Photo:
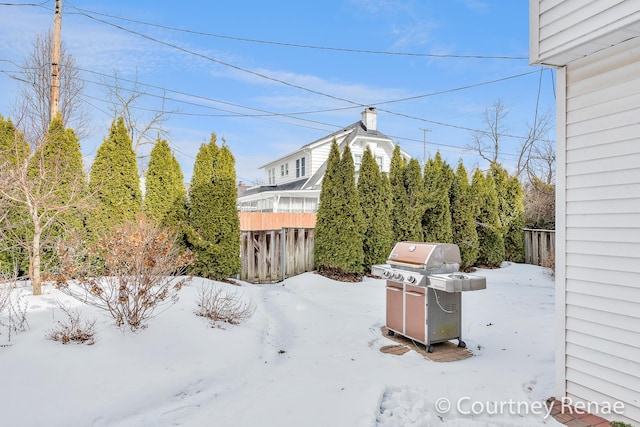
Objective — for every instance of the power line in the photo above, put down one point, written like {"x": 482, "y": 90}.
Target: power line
{"x": 293, "y": 115}
{"x": 24, "y": 4}
{"x": 275, "y": 79}
{"x": 302, "y": 46}
{"x": 217, "y": 61}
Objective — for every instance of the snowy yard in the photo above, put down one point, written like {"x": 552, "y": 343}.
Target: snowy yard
{"x": 310, "y": 356}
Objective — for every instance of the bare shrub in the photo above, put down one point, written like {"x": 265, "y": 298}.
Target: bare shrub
{"x": 13, "y": 309}
{"x": 74, "y": 329}
{"x": 222, "y": 304}
{"x": 128, "y": 272}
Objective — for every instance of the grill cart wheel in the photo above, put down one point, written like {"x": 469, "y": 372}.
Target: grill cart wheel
{"x": 429, "y": 349}
{"x": 462, "y": 344}
{"x": 391, "y": 333}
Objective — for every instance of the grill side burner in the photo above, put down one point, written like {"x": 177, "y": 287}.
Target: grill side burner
{"x": 424, "y": 290}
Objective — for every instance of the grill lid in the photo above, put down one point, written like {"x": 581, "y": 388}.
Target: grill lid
{"x": 425, "y": 256}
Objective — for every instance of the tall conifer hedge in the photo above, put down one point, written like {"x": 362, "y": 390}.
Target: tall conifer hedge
{"x": 115, "y": 181}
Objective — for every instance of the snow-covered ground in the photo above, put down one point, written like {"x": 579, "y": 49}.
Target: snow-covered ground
{"x": 310, "y": 356}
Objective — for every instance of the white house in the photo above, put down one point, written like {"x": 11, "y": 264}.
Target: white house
{"x": 595, "y": 47}
{"x": 294, "y": 181}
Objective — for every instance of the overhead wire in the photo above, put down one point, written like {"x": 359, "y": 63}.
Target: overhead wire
{"x": 217, "y": 61}
{"x": 24, "y": 4}
{"x": 83, "y": 12}
{"x": 191, "y": 52}
{"x": 264, "y": 113}
{"x": 297, "y": 45}
{"x": 291, "y": 115}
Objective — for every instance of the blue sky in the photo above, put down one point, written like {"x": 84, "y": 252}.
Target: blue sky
{"x": 236, "y": 71}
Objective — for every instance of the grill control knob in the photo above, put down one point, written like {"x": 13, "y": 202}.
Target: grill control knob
{"x": 399, "y": 277}
{"x": 411, "y": 279}
{"x": 387, "y": 274}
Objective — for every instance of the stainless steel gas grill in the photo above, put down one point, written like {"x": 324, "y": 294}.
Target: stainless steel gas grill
{"x": 424, "y": 288}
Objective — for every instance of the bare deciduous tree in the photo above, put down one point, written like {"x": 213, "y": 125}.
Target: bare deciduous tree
{"x": 34, "y": 195}
{"x": 487, "y": 143}
{"x": 536, "y": 156}
{"x": 143, "y": 129}
{"x": 536, "y": 153}
{"x": 37, "y": 197}
{"x": 35, "y": 94}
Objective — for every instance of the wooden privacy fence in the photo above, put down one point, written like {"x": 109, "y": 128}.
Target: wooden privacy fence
{"x": 272, "y": 255}
{"x": 540, "y": 247}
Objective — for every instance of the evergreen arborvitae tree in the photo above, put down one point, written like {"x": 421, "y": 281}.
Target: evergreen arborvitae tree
{"x": 115, "y": 181}
{"x": 338, "y": 246}
{"x": 463, "y": 218}
{"x": 374, "y": 202}
{"x": 58, "y": 163}
{"x": 387, "y": 201}
{"x": 14, "y": 150}
{"x": 514, "y": 239}
{"x": 227, "y": 263}
{"x": 511, "y": 202}
{"x": 327, "y": 228}
{"x": 436, "y": 221}
{"x": 398, "y": 194}
{"x": 490, "y": 238}
{"x": 201, "y": 225}
{"x": 59, "y": 158}
{"x": 414, "y": 191}
{"x": 213, "y": 225}
{"x": 165, "y": 194}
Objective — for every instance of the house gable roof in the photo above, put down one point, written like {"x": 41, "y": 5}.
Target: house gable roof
{"x": 353, "y": 130}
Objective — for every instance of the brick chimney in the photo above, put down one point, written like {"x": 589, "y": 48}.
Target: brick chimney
{"x": 369, "y": 118}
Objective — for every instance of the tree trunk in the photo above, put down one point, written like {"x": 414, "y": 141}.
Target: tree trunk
{"x": 34, "y": 264}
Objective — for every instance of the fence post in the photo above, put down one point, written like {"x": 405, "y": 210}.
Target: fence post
{"x": 539, "y": 246}
{"x": 284, "y": 253}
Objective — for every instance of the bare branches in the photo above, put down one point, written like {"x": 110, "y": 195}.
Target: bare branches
{"x": 74, "y": 329}
{"x": 221, "y": 304}
{"x": 35, "y": 95}
{"x": 537, "y": 157}
{"x": 142, "y": 130}
{"x": 487, "y": 143}
{"x": 536, "y": 153}
{"x": 13, "y": 308}
{"x": 136, "y": 261}
{"x": 34, "y": 192}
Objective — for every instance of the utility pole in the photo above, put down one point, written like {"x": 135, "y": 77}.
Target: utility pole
{"x": 55, "y": 60}
{"x": 424, "y": 155}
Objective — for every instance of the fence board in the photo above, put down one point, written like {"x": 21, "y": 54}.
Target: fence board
{"x": 540, "y": 247}
{"x": 271, "y": 255}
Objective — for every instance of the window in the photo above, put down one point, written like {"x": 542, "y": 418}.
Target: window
{"x": 284, "y": 169}
{"x": 300, "y": 168}
{"x": 380, "y": 162}
{"x": 272, "y": 176}
{"x": 357, "y": 161}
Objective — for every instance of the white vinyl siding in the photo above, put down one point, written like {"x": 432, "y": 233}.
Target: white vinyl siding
{"x": 319, "y": 156}
{"x": 565, "y": 30}
{"x": 600, "y": 204}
